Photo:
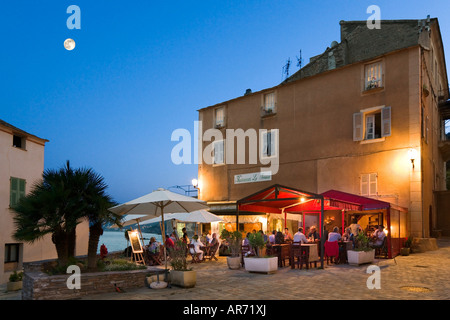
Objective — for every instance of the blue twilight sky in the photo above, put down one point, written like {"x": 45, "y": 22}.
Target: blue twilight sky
{"x": 142, "y": 69}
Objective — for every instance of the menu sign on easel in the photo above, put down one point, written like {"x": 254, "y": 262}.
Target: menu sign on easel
{"x": 136, "y": 245}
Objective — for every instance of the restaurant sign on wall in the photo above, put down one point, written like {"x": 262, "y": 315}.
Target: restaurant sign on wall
{"x": 252, "y": 177}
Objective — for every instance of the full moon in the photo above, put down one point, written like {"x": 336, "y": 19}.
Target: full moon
{"x": 69, "y": 44}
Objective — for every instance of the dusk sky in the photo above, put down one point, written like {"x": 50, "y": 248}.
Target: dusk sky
{"x": 142, "y": 69}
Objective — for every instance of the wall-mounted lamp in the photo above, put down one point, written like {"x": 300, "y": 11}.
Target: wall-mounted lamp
{"x": 195, "y": 183}
{"x": 412, "y": 155}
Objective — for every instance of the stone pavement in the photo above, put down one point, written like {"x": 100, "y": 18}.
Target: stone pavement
{"x": 427, "y": 275}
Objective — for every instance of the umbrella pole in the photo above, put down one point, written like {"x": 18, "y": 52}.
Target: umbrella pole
{"x": 163, "y": 235}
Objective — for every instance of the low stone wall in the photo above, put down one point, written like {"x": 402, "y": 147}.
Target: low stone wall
{"x": 40, "y": 286}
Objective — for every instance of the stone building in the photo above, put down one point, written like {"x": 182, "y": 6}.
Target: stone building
{"x": 365, "y": 117}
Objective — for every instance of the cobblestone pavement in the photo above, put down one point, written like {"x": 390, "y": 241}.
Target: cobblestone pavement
{"x": 428, "y": 273}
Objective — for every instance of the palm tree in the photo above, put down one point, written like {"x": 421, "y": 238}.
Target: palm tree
{"x": 52, "y": 207}
{"x": 58, "y": 203}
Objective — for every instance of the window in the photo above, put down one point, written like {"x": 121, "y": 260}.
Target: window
{"x": 218, "y": 152}
{"x": 368, "y": 184}
{"x": 19, "y": 142}
{"x": 268, "y": 143}
{"x": 17, "y": 190}
{"x": 372, "y": 124}
{"x": 268, "y": 104}
{"x": 373, "y": 76}
{"x": 12, "y": 252}
{"x": 219, "y": 117}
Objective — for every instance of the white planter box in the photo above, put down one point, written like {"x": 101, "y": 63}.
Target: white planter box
{"x": 262, "y": 265}
{"x": 360, "y": 257}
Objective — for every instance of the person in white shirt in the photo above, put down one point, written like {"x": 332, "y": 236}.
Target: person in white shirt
{"x": 209, "y": 237}
{"x": 378, "y": 237}
{"x": 300, "y": 237}
{"x": 355, "y": 227}
{"x": 272, "y": 237}
{"x": 197, "y": 244}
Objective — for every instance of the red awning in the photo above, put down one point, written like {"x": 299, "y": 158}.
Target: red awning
{"x": 350, "y": 201}
{"x": 277, "y": 198}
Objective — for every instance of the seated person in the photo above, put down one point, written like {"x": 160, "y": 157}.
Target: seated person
{"x": 197, "y": 244}
{"x": 169, "y": 242}
{"x": 287, "y": 235}
{"x": 279, "y": 238}
{"x": 153, "y": 249}
{"x": 348, "y": 235}
{"x": 265, "y": 237}
{"x": 300, "y": 237}
{"x": 335, "y": 235}
{"x": 377, "y": 237}
{"x": 272, "y": 237}
{"x": 313, "y": 234}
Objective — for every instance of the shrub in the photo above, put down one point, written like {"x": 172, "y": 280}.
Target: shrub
{"x": 234, "y": 240}
{"x": 177, "y": 256}
{"x": 16, "y": 277}
{"x": 362, "y": 242}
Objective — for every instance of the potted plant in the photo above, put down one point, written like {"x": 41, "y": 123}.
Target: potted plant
{"x": 234, "y": 240}
{"x": 406, "y": 249}
{"x": 181, "y": 275}
{"x": 261, "y": 262}
{"x": 15, "y": 281}
{"x": 362, "y": 253}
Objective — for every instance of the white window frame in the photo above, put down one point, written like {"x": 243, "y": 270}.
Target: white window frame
{"x": 274, "y": 138}
{"x": 368, "y": 181}
{"x": 373, "y": 75}
{"x": 215, "y": 155}
{"x": 366, "y": 117}
{"x": 217, "y": 123}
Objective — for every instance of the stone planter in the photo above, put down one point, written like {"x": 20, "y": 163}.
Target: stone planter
{"x": 14, "y": 286}
{"x": 261, "y": 265}
{"x": 234, "y": 263}
{"x": 184, "y": 279}
{"x": 360, "y": 257}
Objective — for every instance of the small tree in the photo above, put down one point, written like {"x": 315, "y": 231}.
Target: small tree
{"x": 177, "y": 256}
{"x": 362, "y": 242}
{"x": 257, "y": 242}
{"x": 234, "y": 240}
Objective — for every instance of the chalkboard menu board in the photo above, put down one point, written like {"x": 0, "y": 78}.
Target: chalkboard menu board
{"x": 136, "y": 245}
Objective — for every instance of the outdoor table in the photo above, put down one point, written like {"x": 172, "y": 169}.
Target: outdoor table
{"x": 313, "y": 251}
{"x": 283, "y": 253}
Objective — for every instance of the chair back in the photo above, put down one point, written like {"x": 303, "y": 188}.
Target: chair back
{"x": 331, "y": 248}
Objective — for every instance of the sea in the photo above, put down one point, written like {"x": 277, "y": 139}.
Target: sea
{"x": 116, "y": 241}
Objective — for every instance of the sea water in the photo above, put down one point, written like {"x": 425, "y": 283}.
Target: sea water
{"x": 116, "y": 241}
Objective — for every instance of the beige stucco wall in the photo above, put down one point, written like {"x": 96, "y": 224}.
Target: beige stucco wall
{"x": 29, "y": 165}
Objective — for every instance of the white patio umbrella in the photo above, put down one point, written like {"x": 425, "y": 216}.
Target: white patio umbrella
{"x": 201, "y": 216}
{"x": 156, "y": 204}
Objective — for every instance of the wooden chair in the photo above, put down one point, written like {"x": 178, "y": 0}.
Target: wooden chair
{"x": 382, "y": 250}
{"x": 154, "y": 259}
{"x": 245, "y": 249}
{"x": 299, "y": 256}
{"x": 213, "y": 251}
{"x": 194, "y": 255}
{"x": 331, "y": 251}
